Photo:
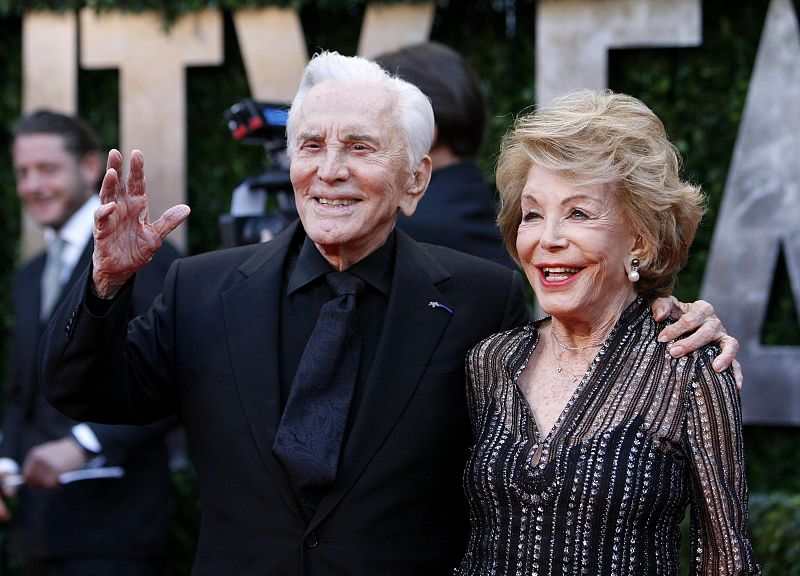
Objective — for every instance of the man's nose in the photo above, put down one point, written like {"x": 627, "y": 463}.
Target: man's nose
{"x": 333, "y": 166}
{"x": 28, "y": 182}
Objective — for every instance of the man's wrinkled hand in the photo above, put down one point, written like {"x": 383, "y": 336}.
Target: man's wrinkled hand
{"x": 124, "y": 238}
{"x": 697, "y": 324}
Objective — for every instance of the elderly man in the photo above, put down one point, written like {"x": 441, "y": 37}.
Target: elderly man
{"x": 334, "y": 448}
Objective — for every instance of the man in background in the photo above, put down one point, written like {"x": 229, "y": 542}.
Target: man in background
{"x": 458, "y": 210}
{"x": 105, "y": 526}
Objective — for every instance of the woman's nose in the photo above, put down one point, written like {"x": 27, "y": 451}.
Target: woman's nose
{"x": 553, "y": 236}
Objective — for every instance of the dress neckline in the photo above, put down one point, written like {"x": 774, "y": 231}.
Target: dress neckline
{"x": 583, "y": 393}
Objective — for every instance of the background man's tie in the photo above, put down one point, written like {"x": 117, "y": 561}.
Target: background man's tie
{"x": 51, "y": 277}
{"x": 310, "y": 434}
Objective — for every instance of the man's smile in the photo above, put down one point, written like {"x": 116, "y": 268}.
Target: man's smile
{"x": 337, "y": 201}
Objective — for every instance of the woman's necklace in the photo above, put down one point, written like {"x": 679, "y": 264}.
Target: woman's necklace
{"x": 557, "y": 356}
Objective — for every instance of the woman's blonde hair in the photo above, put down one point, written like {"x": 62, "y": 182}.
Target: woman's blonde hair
{"x": 594, "y": 137}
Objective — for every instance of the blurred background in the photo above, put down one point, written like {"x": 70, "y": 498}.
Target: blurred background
{"x": 699, "y": 92}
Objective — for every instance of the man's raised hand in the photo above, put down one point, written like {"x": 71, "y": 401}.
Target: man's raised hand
{"x": 124, "y": 238}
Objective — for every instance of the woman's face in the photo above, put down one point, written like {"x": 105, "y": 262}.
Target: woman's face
{"x": 575, "y": 247}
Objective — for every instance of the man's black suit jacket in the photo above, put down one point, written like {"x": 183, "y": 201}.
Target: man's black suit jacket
{"x": 208, "y": 350}
{"x": 109, "y": 518}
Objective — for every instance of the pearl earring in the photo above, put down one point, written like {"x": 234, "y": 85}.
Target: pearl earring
{"x": 633, "y": 275}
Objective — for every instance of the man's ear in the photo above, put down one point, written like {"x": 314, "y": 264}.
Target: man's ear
{"x": 418, "y": 185}
{"x": 91, "y": 169}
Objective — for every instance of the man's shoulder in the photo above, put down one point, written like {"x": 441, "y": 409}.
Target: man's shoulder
{"x": 216, "y": 269}
{"x": 28, "y": 272}
{"x": 457, "y": 262}
{"x": 30, "y": 264}
{"x": 493, "y": 294}
{"x": 456, "y": 271}
{"x": 223, "y": 257}
{"x": 249, "y": 256}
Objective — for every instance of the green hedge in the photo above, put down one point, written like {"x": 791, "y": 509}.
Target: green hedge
{"x": 775, "y": 528}
{"x": 699, "y": 93}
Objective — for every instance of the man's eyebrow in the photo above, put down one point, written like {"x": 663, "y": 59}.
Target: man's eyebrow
{"x": 352, "y": 137}
{"x": 355, "y": 137}
{"x": 309, "y": 136}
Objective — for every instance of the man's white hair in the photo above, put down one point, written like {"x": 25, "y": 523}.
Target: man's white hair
{"x": 413, "y": 112}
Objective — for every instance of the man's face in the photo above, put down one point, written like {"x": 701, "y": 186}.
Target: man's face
{"x": 349, "y": 169}
{"x": 51, "y": 182}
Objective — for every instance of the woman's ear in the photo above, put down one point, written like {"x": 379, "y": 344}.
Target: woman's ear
{"x": 639, "y": 249}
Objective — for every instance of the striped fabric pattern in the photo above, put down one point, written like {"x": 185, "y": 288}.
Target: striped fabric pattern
{"x": 642, "y": 437}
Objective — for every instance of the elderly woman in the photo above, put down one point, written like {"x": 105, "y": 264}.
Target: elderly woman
{"x": 590, "y": 441}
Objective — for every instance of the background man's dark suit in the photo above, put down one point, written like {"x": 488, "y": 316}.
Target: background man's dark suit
{"x": 397, "y": 505}
{"x": 101, "y": 518}
{"x": 458, "y": 211}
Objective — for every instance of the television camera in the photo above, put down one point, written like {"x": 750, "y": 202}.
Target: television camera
{"x": 262, "y": 205}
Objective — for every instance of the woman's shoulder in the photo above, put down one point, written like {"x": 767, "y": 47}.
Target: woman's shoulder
{"x": 702, "y": 381}
{"x": 500, "y": 344}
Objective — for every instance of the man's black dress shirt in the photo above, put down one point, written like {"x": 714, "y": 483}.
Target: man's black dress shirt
{"x": 304, "y": 292}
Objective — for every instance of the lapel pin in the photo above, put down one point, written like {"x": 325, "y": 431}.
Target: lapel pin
{"x": 434, "y": 304}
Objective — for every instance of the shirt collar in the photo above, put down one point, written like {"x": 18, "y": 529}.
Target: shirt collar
{"x": 375, "y": 269}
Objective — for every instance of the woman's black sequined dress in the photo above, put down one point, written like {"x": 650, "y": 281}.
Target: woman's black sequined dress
{"x": 642, "y": 437}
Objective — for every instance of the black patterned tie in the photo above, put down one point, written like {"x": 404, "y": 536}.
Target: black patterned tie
{"x": 311, "y": 430}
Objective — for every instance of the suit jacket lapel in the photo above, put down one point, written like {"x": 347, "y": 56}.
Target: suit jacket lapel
{"x": 252, "y": 313}
{"x": 84, "y": 260}
{"x": 411, "y": 332}
{"x": 78, "y": 269}
{"x": 80, "y": 266}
